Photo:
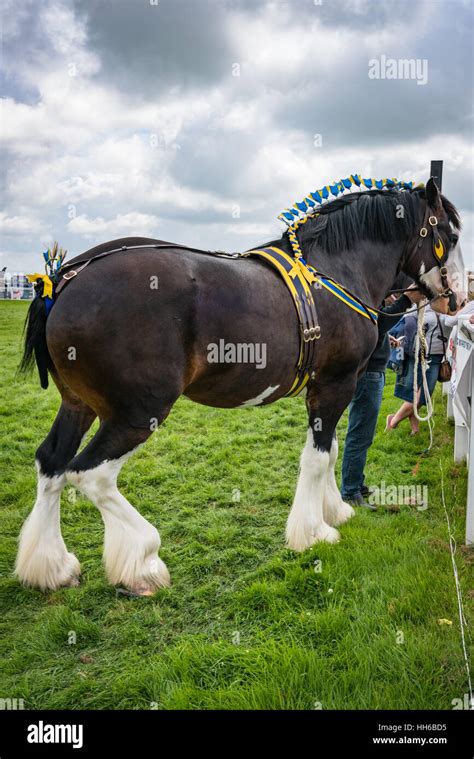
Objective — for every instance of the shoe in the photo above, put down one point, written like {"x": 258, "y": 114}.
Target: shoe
{"x": 365, "y": 491}
{"x": 359, "y": 500}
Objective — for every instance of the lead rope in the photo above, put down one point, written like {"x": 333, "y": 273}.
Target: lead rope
{"x": 421, "y": 352}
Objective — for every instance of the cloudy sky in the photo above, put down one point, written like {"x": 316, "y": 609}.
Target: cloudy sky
{"x": 198, "y": 121}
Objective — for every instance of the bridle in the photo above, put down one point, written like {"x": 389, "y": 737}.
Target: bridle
{"x": 440, "y": 254}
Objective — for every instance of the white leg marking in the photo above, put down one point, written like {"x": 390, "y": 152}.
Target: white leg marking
{"x": 43, "y": 560}
{"x": 260, "y": 398}
{"x": 131, "y": 543}
{"x": 305, "y": 524}
{"x": 336, "y": 511}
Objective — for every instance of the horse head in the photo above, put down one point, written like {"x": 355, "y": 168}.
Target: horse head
{"x": 434, "y": 257}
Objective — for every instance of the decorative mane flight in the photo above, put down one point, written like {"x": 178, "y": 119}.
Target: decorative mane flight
{"x": 299, "y": 213}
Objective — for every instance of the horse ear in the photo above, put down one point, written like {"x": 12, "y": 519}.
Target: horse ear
{"x": 433, "y": 196}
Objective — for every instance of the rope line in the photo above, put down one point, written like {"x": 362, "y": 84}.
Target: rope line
{"x": 462, "y": 619}
{"x": 420, "y": 340}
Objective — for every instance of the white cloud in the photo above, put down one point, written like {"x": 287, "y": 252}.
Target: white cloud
{"x": 20, "y": 225}
{"x": 128, "y": 224}
{"x": 126, "y": 163}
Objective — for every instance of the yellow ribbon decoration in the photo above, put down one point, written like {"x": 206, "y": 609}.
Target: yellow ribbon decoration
{"x": 47, "y": 283}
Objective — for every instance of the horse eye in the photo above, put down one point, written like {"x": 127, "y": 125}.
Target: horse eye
{"x": 453, "y": 239}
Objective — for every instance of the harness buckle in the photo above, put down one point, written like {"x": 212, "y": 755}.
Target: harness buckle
{"x": 433, "y": 221}
{"x": 423, "y": 232}
{"x": 311, "y": 333}
{"x": 70, "y": 274}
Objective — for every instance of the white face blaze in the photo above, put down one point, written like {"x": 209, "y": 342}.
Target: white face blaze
{"x": 431, "y": 279}
{"x": 457, "y": 280}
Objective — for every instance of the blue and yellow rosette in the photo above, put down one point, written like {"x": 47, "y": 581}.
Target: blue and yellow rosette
{"x": 53, "y": 258}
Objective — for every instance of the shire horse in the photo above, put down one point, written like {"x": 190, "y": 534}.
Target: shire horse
{"x": 123, "y": 350}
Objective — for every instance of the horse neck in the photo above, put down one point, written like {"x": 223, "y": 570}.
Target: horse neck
{"x": 368, "y": 269}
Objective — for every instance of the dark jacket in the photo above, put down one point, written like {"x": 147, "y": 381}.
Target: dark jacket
{"x": 379, "y": 358}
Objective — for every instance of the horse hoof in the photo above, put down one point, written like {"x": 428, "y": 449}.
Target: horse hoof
{"x": 149, "y": 585}
{"x": 73, "y": 569}
{"x": 73, "y": 582}
{"x": 143, "y": 592}
{"x": 332, "y": 536}
{"x": 345, "y": 512}
{"x": 139, "y": 592}
{"x": 326, "y": 534}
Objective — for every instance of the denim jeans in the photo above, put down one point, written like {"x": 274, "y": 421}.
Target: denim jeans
{"x": 363, "y": 413}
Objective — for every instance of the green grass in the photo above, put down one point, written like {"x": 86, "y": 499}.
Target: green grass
{"x": 246, "y": 624}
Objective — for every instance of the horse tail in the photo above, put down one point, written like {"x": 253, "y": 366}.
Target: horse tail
{"x": 36, "y": 347}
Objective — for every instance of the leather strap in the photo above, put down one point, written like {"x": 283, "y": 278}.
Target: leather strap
{"x": 298, "y": 280}
{"x": 69, "y": 271}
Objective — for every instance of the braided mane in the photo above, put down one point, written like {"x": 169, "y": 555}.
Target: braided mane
{"x": 387, "y": 210}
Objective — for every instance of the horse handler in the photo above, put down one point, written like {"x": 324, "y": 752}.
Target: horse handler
{"x": 365, "y": 405}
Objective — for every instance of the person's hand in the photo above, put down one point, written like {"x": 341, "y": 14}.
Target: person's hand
{"x": 394, "y": 343}
{"x": 471, "y": 319}
{"x": 414, "y": 296}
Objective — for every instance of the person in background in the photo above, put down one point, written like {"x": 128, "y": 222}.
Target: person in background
{"x": 436, "y": 340}
{"x": 467, "y": 310}
{"x": 365, "y": 405}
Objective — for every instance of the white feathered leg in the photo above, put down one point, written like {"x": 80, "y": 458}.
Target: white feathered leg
{"x": 43, "y": 560}
{"x": 131, "y": 543}
{"x": 306, "y": 523}
{"x": 336, "y": 511}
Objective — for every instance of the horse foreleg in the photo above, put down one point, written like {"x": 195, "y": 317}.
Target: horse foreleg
{"x": 43, "y": 560}
{"x": 336, "y": 511}
{"x": 131, "y": 543}
{"x": 306, "y": 523}
{"x": 317, "y": 505}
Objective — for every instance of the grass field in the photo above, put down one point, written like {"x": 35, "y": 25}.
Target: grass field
{"x": 246, "y": 624}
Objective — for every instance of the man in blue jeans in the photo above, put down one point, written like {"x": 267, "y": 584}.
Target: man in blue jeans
{"x": 365, "y": 406}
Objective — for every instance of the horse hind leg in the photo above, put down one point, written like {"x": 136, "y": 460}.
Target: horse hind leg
{"x": 43, "y": 560}
{"x": 131, "y": 543}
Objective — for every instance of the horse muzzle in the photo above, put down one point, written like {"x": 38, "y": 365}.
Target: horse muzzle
{"x": 445, "y": 303}
{"x": 452, "y": 303}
